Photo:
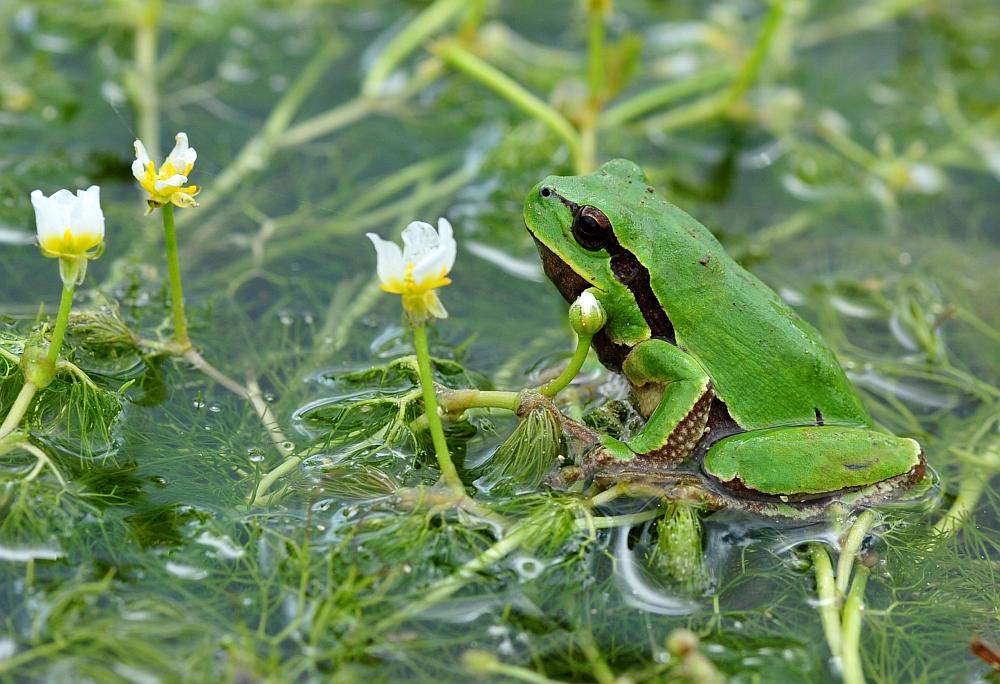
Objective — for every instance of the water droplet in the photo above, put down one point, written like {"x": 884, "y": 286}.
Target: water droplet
{"x": 198, "y": 403}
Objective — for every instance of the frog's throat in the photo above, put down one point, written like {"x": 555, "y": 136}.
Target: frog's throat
{"x": 571, "y": 285}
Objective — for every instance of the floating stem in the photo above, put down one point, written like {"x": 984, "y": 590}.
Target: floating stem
{"x": 146, "y": 96}
{"x": 596, "y": 51}
{"x": 751, "y": 68}
{"x": 512, "y": 91}
{"x": 431, "y": 20}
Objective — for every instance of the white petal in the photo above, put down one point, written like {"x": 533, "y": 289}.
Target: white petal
{"x": 441, "y": 258}
{"x": 138, "y": 171}
{"x": 175, "y": 181}
{"x": 389, "y": 259}
{"x": 448, "y": 245}
{"x": 87, "y": 216}
{"x": 588, "y": 303}
{"x": 47, "y": 216}
{"x": 182, "y": 156}
{"x": 419, "y": 238}
{"x": 141, "y": 160}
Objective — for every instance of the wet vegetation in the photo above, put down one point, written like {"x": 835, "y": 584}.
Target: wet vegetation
{"x": 261, "y": 508}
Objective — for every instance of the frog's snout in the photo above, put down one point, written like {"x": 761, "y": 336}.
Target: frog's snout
{"x": 548, "y": 191}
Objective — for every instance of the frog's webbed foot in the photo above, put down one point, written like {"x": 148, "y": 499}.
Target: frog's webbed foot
{"x": 654, "y": 481}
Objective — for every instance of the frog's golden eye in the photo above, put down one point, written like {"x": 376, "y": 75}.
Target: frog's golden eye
{"x": 591, "y": 228}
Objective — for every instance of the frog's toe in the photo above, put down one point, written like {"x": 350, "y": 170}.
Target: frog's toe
{"x": 617, "y": 449}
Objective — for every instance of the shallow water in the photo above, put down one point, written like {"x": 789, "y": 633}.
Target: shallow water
{"x": 860, "y": 179}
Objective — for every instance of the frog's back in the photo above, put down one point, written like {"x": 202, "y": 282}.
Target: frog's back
{"x": 767, "y": 364}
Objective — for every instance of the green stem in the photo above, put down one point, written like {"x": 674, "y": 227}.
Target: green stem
{"x": 659, "y": 96}
{"x": 970, "y": 488}
{"x": 256, "y": 153}
{"x": 458, "y": 401}
{"x": 688, "y": 114}
{"x": 454, "y": 401}
{"x": 480, "y": 664}
{"x": 465, "y": 574}
{"x": 608, "y": 521}
{"x": 62, "y": 320}
{"x": 266, "y": 482}
{"x": 18, "y": 409}
{"x": 174, "y": 270}
{"x": 751, "y": 68}
{"x": 553, "y": 387}
{"x": 596, "y": 53}
{"x": 852, "y": 545}
{"x": 827, "y": 592}
{"x": 852, "y": 670}
{"x": 431, "y": 20}
{"x": 448, "y": 473}
{"x": 146, "y": 94}
{"x": 494, "y": 79}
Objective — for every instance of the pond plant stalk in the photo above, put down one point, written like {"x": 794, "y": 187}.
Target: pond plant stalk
{"x": 69, "y": 228}
{"x": 449, "y": 475}
{"x": 415, "y": 272}
{"x": 841, "y": 601}
{"x": 174, "y": 273}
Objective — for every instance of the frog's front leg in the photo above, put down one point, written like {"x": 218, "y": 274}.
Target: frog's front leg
{"x": 674, "y": 393}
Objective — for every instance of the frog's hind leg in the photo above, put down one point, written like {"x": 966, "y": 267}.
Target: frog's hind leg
{"x": 674, "y": 393}
{"x": 808, "y": 462}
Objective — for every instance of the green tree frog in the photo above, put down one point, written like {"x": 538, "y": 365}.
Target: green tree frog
{"x": 724, "y": 372}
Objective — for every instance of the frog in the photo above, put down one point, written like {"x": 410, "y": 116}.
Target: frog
{"x": 744, "y": 404}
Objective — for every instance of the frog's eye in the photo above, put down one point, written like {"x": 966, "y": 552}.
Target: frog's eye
{"x": 591, "y": 228}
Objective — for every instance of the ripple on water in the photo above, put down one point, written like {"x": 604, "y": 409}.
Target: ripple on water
{"x": 636, "y": 591}
{"x": 185, "y": 571}
{"x": 24, "y": 554}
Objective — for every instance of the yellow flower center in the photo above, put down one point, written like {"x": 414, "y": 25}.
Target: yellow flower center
{"x": 69, "y": 244}
{"x": 409, "y": 286}
{"x": 182, "y": 196}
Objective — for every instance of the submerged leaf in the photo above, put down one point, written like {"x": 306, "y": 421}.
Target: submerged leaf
{"x": 677, "y": 552}
{"x": 523, "y": 459}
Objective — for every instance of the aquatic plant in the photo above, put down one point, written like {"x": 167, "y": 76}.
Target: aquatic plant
{"x": 846, "y": 151}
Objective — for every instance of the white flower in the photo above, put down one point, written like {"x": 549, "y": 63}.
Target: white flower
{"x": 69, "y": 225}
{"x": 70, "y": 228}
{"x": 586, "y": 315}
{"x": 417, "y": 270}
{"x": 166, "y": 184}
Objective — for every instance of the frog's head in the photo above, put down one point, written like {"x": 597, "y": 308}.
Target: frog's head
{"x": 575, "y": 221}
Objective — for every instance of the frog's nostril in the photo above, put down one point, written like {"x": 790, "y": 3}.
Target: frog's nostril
{"x": 545, "y": 192}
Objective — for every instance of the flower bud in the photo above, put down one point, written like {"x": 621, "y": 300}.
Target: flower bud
{"x": 586, "y": 315}
{"x": 37, "y": 367}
